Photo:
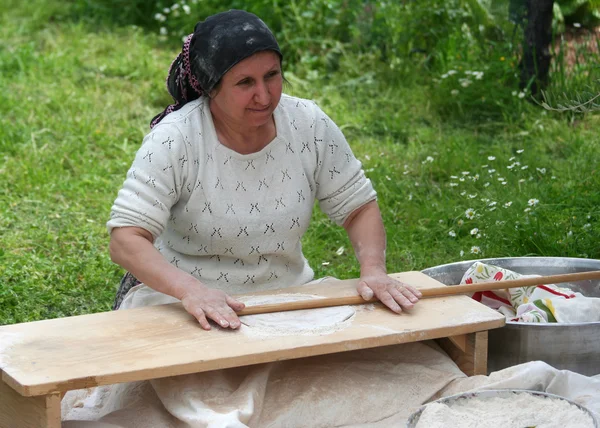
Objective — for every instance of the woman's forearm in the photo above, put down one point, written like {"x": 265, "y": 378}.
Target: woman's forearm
{"x": 367, "y": 234}
{"x": 132, "y": 249}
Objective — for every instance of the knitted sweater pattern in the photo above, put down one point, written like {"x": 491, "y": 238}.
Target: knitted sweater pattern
{"x": 236, "y": 221}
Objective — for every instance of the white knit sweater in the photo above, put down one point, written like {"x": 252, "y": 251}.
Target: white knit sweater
{"x": 235, "y": 221}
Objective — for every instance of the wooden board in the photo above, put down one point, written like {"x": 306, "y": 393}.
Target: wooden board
{"x": 145, "y": 343}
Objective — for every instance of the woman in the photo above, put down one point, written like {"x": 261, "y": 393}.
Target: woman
{"x": 222, "y": 189}
{"x": 215, "y": 203}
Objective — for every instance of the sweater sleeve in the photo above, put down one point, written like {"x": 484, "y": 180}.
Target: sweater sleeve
{"x": 342, "y": 185}
{"x": 153, "y": 183}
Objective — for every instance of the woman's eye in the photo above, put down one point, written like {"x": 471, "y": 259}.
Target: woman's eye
{"x": 244, "y": 82}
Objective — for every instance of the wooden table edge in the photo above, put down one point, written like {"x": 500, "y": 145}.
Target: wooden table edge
{"x": 265, "y": 357}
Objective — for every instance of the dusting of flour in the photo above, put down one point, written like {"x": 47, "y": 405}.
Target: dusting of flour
{"x": 517, "y": 410}
{"x": 319, "y": 321}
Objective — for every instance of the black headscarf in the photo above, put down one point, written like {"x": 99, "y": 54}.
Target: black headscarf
{"x": 216, "y": 45}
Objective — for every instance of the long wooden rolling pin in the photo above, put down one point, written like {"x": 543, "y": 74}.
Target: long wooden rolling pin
{"x": 447, "y": 290}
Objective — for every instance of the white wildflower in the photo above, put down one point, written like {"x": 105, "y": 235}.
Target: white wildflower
{"x": 454, "y": 92}
{"x": 514, "y": 93}
{"x": 541, "y": 170}
{"x": 491, "y": 171}
{"x": 470, "y": 213}
{"x": 462, "y": 253}
{"x": 460, "y": 222}
{"x": 521, "y": 95}
{"x": 493, "y": 203}
{"x": 524, "y": 167}
{"x": 325, "y": 263}
{"x": 451, "y": 72}
{"x": 463, "y": 193}
{"x": 453, "y": 184}
{"x": 520, "y": 151}
{"x": 532, "y": 202}
{"x": 452, "y": 234}
{"x": 474, "y": 231}
{"x": 160, "y": 17}
{"x": 472, "y": 196}
{"x": 587, "y": 226}
{"x": 478, "y": 236}
{"x": 186, "y": 9}
{"x": 465, "y": 173}
{"x": 340, "y": 251}
{"x": 461, "y": 179}
{"x": 367, "y": 157}
{"x": 522, "y": 180}
{"x": 429, "y": 159}
{"x": 486, "y": 184}
{"x": 163, "y": 31}
{"x": 527, "y": 210}
{"x": 491, "y": 158}
{"x": 465, "y": 83}
{"x": 475, "y": 249}
{"x": 387, "y": 177}
{"x": 406, "y": 172}
{"x": 508, "y": 204}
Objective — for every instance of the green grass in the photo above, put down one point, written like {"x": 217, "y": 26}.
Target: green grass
{"x": 77, "y": 97}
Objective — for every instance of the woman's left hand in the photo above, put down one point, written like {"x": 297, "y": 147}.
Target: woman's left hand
{"x": 392, "y": 293}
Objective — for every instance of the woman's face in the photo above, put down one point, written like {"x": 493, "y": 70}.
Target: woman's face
{"x": 249, "y": 92}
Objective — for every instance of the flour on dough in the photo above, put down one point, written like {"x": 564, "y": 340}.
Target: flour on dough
{"x": 317, "y": 321}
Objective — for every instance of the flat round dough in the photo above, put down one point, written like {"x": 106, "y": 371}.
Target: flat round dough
{"x": 306, "y": 321}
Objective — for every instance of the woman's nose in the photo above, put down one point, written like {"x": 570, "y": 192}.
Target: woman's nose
{"x": 262, "y": 95}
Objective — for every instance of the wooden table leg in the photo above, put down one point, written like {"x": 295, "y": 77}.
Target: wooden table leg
{"x": 17, "y": 411}
{"x": 469, "y": 352}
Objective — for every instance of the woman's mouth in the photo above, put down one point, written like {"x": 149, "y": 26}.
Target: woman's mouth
{"x": 260, "y": 110}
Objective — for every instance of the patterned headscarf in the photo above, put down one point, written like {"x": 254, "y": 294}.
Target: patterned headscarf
{"x": 216, "y": 45}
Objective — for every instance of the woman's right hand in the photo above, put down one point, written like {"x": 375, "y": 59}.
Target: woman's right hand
{"x": 205, "y": 303}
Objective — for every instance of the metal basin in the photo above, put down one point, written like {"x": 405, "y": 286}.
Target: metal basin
{"x": 507, "y": 394}
{"x": 574, "y": 347}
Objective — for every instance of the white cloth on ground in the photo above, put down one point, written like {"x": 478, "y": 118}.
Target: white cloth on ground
{"x": 372, "y": 388}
